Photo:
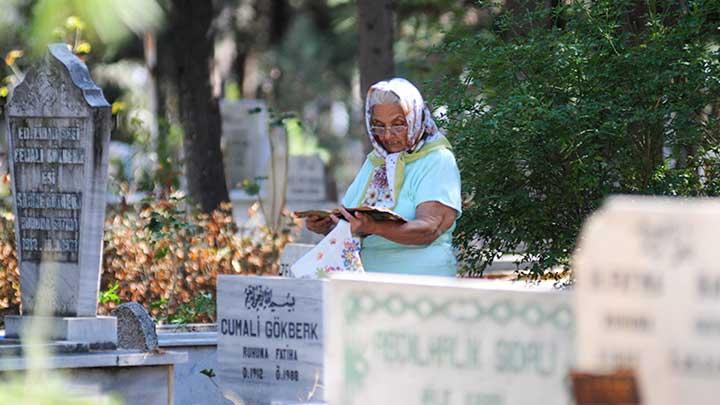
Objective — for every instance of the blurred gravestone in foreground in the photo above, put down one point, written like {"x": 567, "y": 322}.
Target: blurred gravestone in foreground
{"x": 398, "y": 339}
{"x": 648, "y": 296}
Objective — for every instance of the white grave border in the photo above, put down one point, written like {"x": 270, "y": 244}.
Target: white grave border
{"x": 364, "y": 302}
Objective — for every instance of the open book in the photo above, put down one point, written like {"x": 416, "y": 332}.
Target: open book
{"x": 378, "y": 214}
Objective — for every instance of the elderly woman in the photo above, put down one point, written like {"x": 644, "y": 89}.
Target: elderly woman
{"x": 411, "y": 171}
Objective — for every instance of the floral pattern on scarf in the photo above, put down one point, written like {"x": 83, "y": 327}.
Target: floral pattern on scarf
{"x": 338, "y": 251}
{"x": 378, "y": 193}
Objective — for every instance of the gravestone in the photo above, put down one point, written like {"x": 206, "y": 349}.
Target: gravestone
{"x": 306, "y": 179}
{"x": 430, "y": 340}
{"x": 246, "y": 147}
{"x": 648, "y": 296}
{"x": 58, "y": 130}
{"x": 292, "y": 253}
{"x": 136, "y": 329}
{"x": 307, "y": 190}
{"x": 270, "y": 339}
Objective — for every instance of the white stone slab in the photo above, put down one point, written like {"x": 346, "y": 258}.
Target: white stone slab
{"x": 291, "y": 254}
{"x": 191, "y": 386}
{"x": 430, "y": 340}
{"x": 132, "y": 378}
{"x": 181, "y": 339}
{"x": 148, "y": 385}
{"x": 95, "y": 330}
{"x": 648, "y": 296}
{"x": 58, "y": 130}
{"x": 306, "y": 179}
{"x": 270, "y": 338}
{"x": 112, "y": 358}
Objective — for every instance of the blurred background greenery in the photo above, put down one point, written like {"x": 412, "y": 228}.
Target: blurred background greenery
{"x": 300, "y": 56}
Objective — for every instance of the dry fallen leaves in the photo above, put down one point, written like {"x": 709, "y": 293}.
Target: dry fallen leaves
{"x": 177, "y": 267}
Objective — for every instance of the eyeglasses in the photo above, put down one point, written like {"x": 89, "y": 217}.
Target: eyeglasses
{"x": 394, "y": 129}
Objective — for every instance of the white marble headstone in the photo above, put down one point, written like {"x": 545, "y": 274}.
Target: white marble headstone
{"x": 58, "y": 133}
{"x": 306, "y": 179}
{"x": 648, "y": 296}
{"x": 429, "y": 340}
{"x": 246, "y": 146}
{"x": 292, "y": 253}
{"x": 270, "y": 339}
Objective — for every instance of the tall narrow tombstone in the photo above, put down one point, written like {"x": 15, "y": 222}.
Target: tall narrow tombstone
{"x": 429, "y": 340}
{"x": 246, "y": 146}
{"x": 648, "y": 296}
{"x": 306, "y": 179}
{"x": 58, "y": 131}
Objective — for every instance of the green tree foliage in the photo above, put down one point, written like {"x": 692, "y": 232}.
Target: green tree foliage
{"x": 556, "y": 108}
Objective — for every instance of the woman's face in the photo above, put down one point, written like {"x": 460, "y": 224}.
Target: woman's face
{"x": 389, "y": 127}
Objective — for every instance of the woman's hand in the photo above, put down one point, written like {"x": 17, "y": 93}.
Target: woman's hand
{"x": 360, "y": 224}
{"x": 321, "y": 225}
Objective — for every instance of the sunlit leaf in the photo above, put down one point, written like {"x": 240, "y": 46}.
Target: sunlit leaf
{"x": 12, "y": 56}
{"x": 84, "y": 48}
{"x": 74, "y": 23}
{"x": 162, "y": 252}
{"x": 251, "y": 187}
{"x": 210, "y": 373}
{"x": 118, "y": 106}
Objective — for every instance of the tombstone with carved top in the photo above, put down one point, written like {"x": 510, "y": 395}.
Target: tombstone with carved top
{"x": 58, "y": 131}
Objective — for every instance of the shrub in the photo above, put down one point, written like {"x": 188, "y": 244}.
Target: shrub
{"x": 166, "y": 257}
{"x": 9, "y": 274}
{"x": 556, "y": 108}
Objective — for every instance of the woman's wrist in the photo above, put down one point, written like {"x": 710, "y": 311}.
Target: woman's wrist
{"x": 378, "y": 227}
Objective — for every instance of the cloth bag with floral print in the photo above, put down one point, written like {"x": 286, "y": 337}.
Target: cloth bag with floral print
{"x": 338, "y": 251}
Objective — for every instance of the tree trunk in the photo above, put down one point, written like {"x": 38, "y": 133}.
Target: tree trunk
{"x": 246, "y": 31}
{"x": 190, "y": 28}
{"x": 375, "y": 44}
{"x": 320, "y": 12}
{"x": 166, "y": 100}
{"x": 241, "y": 55}
{"x": 523, "y": 9}
{"x": 279, "y": 20}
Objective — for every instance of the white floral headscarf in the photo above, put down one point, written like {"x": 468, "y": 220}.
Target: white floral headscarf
{"x": 384, "y": 181}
